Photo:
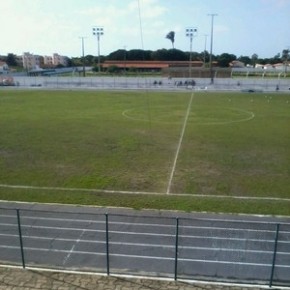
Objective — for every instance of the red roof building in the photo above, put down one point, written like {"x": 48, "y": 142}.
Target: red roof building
{"x": 149, "y": 64}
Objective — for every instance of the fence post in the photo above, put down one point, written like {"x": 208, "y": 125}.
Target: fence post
{"x": 274, "y": 254}
{"x": 20, "y": 238}
{"x": 176, "y": 248}
{"x": 107, "y": 245}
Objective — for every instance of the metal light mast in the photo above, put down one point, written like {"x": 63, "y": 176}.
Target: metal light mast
{"x": 98, "y": 31}
{"x": 190, "y": 32}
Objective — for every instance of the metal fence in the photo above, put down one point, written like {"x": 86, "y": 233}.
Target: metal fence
{"x": 156, "y": 83}
{"x": 178, "y": 248}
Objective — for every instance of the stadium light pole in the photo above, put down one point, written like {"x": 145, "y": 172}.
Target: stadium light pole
{"x": 190, "y": 32}
{"x": 125, "y": 58}
{"x": 286, "y": 55}
{"x": 98, "y": 31}
{"x": 211, "y": 45}
{"x": 83, "y": 54}
{"x": 205, "y": 41}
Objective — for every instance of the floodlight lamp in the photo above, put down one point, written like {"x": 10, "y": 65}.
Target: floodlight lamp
{"x": 191, "y": 31}
{"x": 98, "y": 31}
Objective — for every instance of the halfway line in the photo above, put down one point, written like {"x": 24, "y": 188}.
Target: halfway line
{"x": 179, "y": 144}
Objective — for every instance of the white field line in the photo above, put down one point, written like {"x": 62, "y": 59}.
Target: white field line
{"x": 130, "y": 244}
{"x": 162, "y": 245}
{"x": 179, "y": 144}
{"x": 151, "y": 225}
{"x": 146, "y": 257}
{"x": 251, "y": 116}
{"x": 75, "y": 189}
{"x": 93, "y": 190}
{"x": 149, "y": 233}
{"x": 73, "y": 247}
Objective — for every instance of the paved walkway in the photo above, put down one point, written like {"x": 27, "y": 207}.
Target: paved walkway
{"x": 19, "y": 279}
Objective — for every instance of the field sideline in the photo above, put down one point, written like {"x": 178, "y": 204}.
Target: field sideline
{"x": 232, "y": 149}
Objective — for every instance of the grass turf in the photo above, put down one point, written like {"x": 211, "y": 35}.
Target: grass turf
{"x": 234, "y": 144}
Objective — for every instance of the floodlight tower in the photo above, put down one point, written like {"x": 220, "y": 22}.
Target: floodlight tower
{"x": 98, "y": 31}
{"x": 205, "y": 40}
{"x": 285, "y": 55}
{"x": 190, "y": 32}
{"x": 211, "y": 45}
{"x": 83, "y": 54}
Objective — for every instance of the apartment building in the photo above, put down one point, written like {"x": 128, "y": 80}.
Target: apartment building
{"x": 59, "y": 59}
{"x": 31, "y": 61}
{"x": 48, "y": 61}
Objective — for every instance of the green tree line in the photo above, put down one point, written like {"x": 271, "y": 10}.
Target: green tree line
{"x": 173, "y": 54}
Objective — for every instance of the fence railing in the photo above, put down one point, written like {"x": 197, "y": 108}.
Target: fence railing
{"x": 178, "y": 248}
{"x": 161, "y": 83}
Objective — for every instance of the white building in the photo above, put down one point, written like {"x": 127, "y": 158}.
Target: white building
{"x": 31, "y": 61}
{"x": 59, "y": 59}
{"x": 48, "y": 61}
{"x": 4, "y": 69}
{"x": 237, "y": 63}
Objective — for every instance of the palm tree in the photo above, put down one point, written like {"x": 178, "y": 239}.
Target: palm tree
{"x": 170, "y": 35}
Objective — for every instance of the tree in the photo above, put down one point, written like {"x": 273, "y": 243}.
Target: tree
{"x": 254, "y": 59}
{"x": 134, "y": 54}
{"x": 176, "y": 54}
{"x": 11, "y": 59}
{"x": 245, "y": 59}
{"x": 90, "y": 59}
{"x": 285, "y": 57}
{"x": 138, "y": 54}
{"x": 204, "y": 56}
{"x": 160, "y": 54}
{"x": 169, "y": 55}
{"x": 194, "y": 56}
{"x": 116, "y": 55}
{"x": 225, "y": 59}
{"x": 113, "y": 69}
{"x": 276, "y": 59}
{"x": 170, "y": 35}
{"x": 69, "y": 62}
{"x": 76, "y": 61}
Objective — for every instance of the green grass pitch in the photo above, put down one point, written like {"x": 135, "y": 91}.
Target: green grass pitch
{"x": 234, "y": 145}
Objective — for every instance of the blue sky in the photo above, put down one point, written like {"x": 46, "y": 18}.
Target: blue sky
{"x": 242, "y": 27}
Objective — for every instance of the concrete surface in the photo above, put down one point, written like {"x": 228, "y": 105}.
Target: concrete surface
{"x": 23, "y": 279}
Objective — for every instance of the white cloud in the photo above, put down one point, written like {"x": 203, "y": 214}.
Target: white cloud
{"x": 148, "y": 8}
{"x": 47, "y": 26}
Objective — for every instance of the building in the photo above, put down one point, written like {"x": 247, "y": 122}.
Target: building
{"x": 4, "y": 69}
{"x": 149, "y": 65}
{"x": 31, "y": 61}
{"x": 59, "y": 60}
{"x": 237, "y": 63}
{"x": 48, "y": 61}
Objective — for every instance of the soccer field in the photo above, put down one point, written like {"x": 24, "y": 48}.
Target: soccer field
{"x": 194, "y": 143}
